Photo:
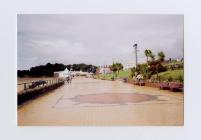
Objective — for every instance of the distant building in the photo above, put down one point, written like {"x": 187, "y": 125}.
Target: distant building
{"x": 62, "y": 74}
{"x": 103, "y": 70}
{"x": 178, "y": 60}
{"x": 128, "y": 65}
{"x": 81, "y": 73}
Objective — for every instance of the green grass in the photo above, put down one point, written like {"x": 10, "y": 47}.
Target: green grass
{"x": 174, "y": 74}
{"x": 121, "y": 74}
{"x": 173, "y": 63}
{"x": 124, "y": 73}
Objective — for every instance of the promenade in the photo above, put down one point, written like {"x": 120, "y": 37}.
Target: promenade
{"x": 93, "y": 102}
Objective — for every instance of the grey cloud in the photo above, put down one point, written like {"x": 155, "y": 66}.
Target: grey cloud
{"x": 95, "y": 38}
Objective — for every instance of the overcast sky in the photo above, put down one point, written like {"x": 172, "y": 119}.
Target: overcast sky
{"x": 96, "y": 39}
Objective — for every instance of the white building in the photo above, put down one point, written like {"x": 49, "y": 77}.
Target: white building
{"x": 104, "y": 70}
{"x": 62, "y": 74}
{"x": 81, "y": 73}
{"x": 128, "y": 65}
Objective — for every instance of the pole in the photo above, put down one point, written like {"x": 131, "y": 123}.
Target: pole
{"x": 25, "y": 87}
{"x": 104, "y": 69}
{"x": 113, "y": 65}
{"x": 135, "y": 47}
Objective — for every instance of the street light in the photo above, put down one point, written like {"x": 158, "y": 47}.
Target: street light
{"x": 135, "y": 47}
{"x": 113, "y": 65}
{"x": 104, "y": 70}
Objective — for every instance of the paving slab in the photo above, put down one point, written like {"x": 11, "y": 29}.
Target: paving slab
{"x": 93, "y": 102}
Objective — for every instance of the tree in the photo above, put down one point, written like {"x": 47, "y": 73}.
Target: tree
{"x": 23, "y": 73}
{"x": 152, "y": 57}
{"x": 49, "y": 69}
{"x": 143, "y": 69}
{"x": 119, "y": 67}
{"x": 155, "y": 67}
{"x": 161, "y": 56}
{"x": 133, "y": 70}
{"x": 148, "y": 54}
{"x": 114, "y": 69}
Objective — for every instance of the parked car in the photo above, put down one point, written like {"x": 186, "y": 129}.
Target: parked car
{"x": 164, "y": 86}
{"x": 176, "y": 86}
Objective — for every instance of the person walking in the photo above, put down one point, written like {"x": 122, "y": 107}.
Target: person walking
{"x": 70, "y": 78}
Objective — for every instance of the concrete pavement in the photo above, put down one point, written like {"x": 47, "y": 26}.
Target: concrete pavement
{"x": 103, "y": 103}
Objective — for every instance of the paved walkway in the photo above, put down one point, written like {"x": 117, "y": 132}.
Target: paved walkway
{"x": 97, "y": 102}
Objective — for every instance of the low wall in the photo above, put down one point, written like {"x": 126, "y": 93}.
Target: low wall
{"x": 148, "y": 84}
{"x": 154, "y": 85}
{"x": 33, "y": 93}
{"x": 130, "y": 81}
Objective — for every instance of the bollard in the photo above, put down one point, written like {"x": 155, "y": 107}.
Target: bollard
{"x": 25, "y": 86}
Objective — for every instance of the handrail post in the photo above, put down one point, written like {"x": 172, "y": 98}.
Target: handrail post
{"x": 25, "y": 86}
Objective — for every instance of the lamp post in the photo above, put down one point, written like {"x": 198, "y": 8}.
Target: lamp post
{"x": 104, "y": 70}
{"x": 113, "y": 65}
{"x": 135, "y": 47}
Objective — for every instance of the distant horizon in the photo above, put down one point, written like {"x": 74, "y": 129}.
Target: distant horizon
{"x": 95, "y": 39}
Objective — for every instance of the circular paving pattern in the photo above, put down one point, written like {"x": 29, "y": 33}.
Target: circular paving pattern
{"x": 113, "y": 98}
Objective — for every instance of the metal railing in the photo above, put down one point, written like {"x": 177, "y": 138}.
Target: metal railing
{"x": 37, "y": 83}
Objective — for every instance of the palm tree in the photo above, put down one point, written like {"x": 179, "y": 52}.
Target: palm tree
{"x": 161, "y": 56}
{"x": 113, "y": 68}
{"x": 146, "y": 52}
{"x": 119, "y": 67}
{"x": 152, "y": 57}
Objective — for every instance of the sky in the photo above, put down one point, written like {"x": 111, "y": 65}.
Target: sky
{"x": 97, "y": 39}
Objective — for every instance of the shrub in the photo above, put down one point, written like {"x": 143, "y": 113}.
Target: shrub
{"x": 112, "y": 78}
{"x": 181, "y": 78}
{"x": 170, "y": 79}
